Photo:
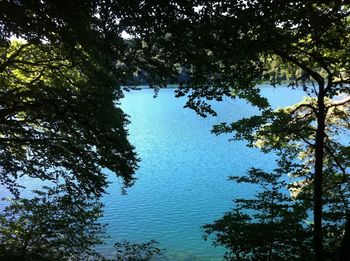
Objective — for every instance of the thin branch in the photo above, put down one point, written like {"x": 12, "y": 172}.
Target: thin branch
{"x": 29, "y": 140}
{"x": 39, "y": 63}
{"x": 10, "y": 59}
{"x": 339, "y": 103}
{"x": 307, "y": 105}
{"x": 318, "y": 59}
{"x": 318, "y": 78}
{"x": 345, "y": 81}
{"x": 336, "y": 160}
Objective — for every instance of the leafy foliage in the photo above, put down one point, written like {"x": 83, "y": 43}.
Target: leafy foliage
{"x": 229, "y": 47}
{"x": 256, "y": 228}
{"x": 127, "y": 251}
{"x": 291, "y": 133}
{"x": 59, "y": 95}
{"x": 51, "y": 226}
{"x": 62, "y": 68}
{"x": 59, "y": 120}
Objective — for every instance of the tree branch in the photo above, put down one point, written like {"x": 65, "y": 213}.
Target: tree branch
{"x": 318, "y": 78}
{"x": 10, "y": 59}
{"x": 339, "y": 103}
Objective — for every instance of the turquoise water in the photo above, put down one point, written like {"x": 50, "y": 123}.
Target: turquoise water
{"x": 182, "y": 180}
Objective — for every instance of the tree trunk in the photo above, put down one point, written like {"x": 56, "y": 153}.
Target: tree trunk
{"x": 319, "y": 157}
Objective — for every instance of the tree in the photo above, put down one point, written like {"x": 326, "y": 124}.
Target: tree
{"x": 256, "y": 228}
{"x": 290, "y": 132}
{"x": 59, "y": 121}
{"x": 60, "y": 88}
{"x": 62, "y": 68}
{"x": 228, "y": 48}
{"x": 54, "y": 225}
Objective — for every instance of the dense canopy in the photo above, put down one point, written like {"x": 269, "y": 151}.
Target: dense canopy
{"x": 60, "y": 91}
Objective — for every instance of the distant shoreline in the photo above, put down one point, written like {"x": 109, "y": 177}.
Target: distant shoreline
{"x": 176, "y": 86}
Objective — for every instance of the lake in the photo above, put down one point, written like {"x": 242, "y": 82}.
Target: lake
{"x": 182, "y": 180}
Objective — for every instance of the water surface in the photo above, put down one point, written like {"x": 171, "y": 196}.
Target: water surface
{"x": 182, "y": 180}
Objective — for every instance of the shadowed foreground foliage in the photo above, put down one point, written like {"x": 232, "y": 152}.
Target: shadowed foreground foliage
{"x": 51, "y": 226}
{"x": 56, "y": 226}
{"x": 127, "y": 251}
{"x": 60, "y": 119}
{"x": 269, "y": 226}
{"x": 60, "y": 92}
